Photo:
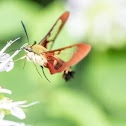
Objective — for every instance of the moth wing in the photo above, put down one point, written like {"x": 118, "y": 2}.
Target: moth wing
{"x": 57, "y": 64}
{"x": 52, "y": 34}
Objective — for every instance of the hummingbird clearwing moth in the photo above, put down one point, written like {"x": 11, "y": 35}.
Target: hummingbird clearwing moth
{"x": 53, "y": 59}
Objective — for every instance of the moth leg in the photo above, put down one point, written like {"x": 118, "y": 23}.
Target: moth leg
{"x": 20, "y": 58}
{"x": 36, "y": 67}
{"x": 44, "y": 73}
{"x": 24, "y": 63}
{"x": 25, "y": 60}
{"x": 37, "y": 70}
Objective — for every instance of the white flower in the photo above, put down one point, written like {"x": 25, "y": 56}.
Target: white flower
{"x": 3, "y": 90}
{"x": 98, "y": 21}
{"x": 78, "y": 21}
{"x": 9, "y": 66}
{"x": 11, "y": 123}
{"x": 15, "y": 108}
{"x": 6, "y": 61}
{"x": 6, "y": 65}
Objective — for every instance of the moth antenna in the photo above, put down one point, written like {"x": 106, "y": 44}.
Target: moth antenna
{"x": 37, "y": 70}
{"x": 24, "y": 63}
{"x": 44, "y": 73}
{"x": 25, "y": 31}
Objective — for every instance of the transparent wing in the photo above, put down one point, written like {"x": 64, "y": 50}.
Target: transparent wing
{"x": 56, "y": 62}
{"x": 52, "y": 34}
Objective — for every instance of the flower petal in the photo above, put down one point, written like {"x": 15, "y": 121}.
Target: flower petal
{"x": 2, "y": 114}
{"x": 33, "y": 103}
{"x": 18, "y": 112}
{"x": 10, "y": 123}
{"x": 7, "y": 45}
{"x": 5, "y": 91}
{"x": 6, "y": 66}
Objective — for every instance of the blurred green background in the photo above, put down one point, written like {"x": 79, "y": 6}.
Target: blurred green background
{"x": 97, "y": 94}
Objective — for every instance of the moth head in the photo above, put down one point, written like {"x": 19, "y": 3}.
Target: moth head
{"x": 28, "y": 48}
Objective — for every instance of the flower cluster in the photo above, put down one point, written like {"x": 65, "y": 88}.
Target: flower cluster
{"x": 6, "y": 61}
{"x": 7, "y": 105}
{"x": 98, "y": 21}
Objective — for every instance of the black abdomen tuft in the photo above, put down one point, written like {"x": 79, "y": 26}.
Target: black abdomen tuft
{"x": 69, "y": 75}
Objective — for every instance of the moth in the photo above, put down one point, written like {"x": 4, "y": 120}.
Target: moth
{"x": 53, "y": 59}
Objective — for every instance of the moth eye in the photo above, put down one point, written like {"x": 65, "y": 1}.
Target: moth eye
{"x": 29, "y": 49}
